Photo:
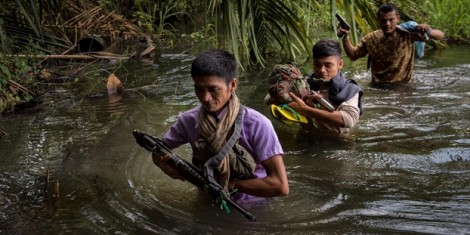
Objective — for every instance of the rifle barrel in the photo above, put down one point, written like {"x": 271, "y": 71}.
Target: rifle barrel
{"x": 188, "y": 171}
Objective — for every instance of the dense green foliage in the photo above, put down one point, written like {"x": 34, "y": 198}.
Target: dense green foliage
{"x": 14, "y": 72}
{"x": 253, "y": 30}
{"x": 451, "y": 16}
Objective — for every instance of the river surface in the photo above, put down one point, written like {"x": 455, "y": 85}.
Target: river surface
{"x": 73, "y": 167}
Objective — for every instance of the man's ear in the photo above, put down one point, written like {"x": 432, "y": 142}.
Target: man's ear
{"x": 233, "y": 85}
{"x": 340, "y": 64}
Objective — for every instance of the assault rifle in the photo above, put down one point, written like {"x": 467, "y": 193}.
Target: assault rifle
{"x": 342, "y": 23}
{"x": 324, "y": 102}
{"x": 189, "y": 172}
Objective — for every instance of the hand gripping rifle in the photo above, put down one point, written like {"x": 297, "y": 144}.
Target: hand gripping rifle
{"x": 190, "y": 172}
{"x": 343, "y": 24}
{"x": 324, "y": 102}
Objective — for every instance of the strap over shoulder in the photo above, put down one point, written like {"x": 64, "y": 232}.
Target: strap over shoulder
{"x": 214, "y": 162}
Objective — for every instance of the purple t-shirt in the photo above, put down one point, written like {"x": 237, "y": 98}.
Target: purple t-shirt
{"x": 257, "y": 135}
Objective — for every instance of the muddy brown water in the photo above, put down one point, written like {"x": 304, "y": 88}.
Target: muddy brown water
{"x": 404, "y": 169}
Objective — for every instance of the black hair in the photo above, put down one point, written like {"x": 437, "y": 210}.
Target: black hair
{"x": 326, "y": 47}
{"x": 215, "y": 62}
{"x": 386, "y": 8}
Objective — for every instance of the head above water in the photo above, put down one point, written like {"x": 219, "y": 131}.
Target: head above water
{"x": 387, "y": 8}
{"x": 388, "y": 16}
{"x": 215, "y": 62}
{"x": 214, "y": 74}
{"x": 327, "y": 60}
{"x": 326, "y": 47}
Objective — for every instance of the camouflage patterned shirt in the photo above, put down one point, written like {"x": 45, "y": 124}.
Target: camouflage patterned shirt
{"x": 392, "y": 56}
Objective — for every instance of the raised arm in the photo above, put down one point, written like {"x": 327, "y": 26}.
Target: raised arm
{"x": 435, "y": 34}
{"x": 350, "y": 50}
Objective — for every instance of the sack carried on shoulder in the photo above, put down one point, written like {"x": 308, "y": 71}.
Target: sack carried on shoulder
{"x": 286, "y": 78}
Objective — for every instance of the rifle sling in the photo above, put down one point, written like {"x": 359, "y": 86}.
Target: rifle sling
{"x": 215, "y": 161}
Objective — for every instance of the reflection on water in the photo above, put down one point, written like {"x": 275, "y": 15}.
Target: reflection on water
{"x": 404, "y": 168}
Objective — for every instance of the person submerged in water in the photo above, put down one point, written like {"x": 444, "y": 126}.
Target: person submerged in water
{"x": 330, "y": 84}
{"x": 254, "y": 165}
{"x": 391, "y": 48}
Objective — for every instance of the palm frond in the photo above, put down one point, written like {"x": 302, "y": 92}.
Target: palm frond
{"x": 33, "y": 24}
{"x": 253, "y": 28}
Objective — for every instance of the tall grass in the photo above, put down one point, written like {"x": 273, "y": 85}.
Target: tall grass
{"x": 450, "y": 16}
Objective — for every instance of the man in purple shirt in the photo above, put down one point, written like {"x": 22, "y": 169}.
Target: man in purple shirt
{"x": 208, "y": 126}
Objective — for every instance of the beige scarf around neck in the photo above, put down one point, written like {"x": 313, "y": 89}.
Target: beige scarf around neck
{"x": 213, "y": 136}
{"x": 215, "y": 133}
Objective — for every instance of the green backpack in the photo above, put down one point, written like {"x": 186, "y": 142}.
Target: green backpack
{"x": 285, "y": 78}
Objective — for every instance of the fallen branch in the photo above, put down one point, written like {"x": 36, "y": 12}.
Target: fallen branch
{"x": 16, "y": 86}
{"x": 74, "y": 57}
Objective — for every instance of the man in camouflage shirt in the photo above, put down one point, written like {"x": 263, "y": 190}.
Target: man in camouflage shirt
{"x": 390, "y": 48}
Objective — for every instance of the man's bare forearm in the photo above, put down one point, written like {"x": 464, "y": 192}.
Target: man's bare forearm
{"x": 349, "y": 48}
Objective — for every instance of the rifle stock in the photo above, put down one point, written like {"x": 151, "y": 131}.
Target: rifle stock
{"x": 188, "y": 171}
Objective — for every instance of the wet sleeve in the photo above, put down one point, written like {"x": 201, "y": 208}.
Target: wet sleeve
{"x": 361, "y": 48}
{"x": 349, "y": 109}
{"x": 264, "y": 140}
{"x": 176, "y": 135}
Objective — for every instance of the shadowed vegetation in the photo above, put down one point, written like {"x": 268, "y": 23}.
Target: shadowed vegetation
{"x": 253, "y": 30}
